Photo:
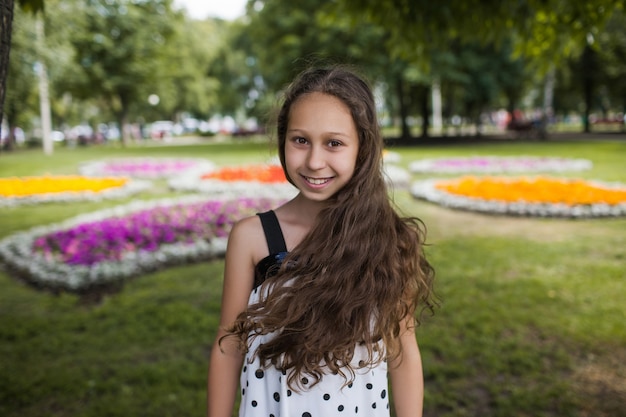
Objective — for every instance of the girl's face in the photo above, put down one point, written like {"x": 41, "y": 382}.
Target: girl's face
{"x": 321, "y": 145}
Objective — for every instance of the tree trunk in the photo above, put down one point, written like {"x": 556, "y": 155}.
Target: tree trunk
{"x": 6, "y": 23}
{"x": 403, "y": 108}
{"x": 424, "y": 109}
{"x": 588, "y": 72}
{"x": 122, "y": 120}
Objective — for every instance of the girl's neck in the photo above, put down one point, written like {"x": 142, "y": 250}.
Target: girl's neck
{"x": 304, "y": 210}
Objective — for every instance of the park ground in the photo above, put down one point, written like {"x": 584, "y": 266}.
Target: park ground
{"x": 531, "y": 321}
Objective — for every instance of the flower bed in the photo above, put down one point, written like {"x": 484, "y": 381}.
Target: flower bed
{"x": 249, "y": 180}
{"x": 152, "y": 168}
{"x": 495, "y": 164}
{"x": 267, "y": 174}
{"x": 540, "y": 196}
{"x": 259, "y": 180}
{"x": 65, "y": 188}
{"x": 391, "y": 157}
{"x": 396, "y": 177}
{"x": 110, "y": 246}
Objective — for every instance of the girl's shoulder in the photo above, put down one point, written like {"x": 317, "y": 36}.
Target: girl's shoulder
{"x": 247, "y": 239}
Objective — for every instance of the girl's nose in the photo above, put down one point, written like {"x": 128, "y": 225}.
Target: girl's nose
{"x": 315, "y": 158}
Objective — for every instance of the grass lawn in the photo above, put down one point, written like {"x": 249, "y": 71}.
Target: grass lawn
{"x": 532, "y": 320}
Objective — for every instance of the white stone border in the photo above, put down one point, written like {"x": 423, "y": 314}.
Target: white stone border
{"x": 499, "y": 164}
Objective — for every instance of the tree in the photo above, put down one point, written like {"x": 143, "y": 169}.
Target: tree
{"x": 186, "y": 86}
{"x": 545, "y": 32}
{"x": 595, "y": 80}
{"x": 6, "y": 25}
{"x": 543, "y": 28}
{"x": 611, "y": 47}
{"x": 21, "y": 92}
{"x": 279, "y": 38}
{"x": 120, "y": 46}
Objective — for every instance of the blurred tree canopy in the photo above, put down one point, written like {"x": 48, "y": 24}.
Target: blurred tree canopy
{"x": 547, "y": 29}
{"x": 114, "y": 47}
{"x": 106, "y": 57}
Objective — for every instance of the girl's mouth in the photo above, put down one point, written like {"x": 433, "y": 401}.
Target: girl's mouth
{"x": 316, "y": 181}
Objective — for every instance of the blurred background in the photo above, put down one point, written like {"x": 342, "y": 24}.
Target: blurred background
{"x": 83, "y": 72}
{"x": 532, "y": 320}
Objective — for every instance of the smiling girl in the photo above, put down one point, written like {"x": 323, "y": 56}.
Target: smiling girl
{"x": 321, "y": 295}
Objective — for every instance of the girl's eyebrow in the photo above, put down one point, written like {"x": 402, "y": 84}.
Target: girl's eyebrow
{"x": 325, "y": 133}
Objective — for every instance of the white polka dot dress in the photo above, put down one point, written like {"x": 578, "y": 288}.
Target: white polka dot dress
{"x": 265, "y": 393}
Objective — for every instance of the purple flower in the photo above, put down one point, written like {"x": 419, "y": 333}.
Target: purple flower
{"x": 146, "y": 230}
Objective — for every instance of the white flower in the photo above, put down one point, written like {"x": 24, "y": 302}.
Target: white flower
{"x": 396, "y": 176}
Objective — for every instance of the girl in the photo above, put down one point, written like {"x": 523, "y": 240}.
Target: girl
{"x": 320, "y": 295}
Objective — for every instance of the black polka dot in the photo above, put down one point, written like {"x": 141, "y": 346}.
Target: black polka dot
{"x": 350, "y": 385}
{"x": 374, "y": 405}
{"x": 361, "y": 363}
{"x": 383, "y": 394}
{"x": 369, "y": 386}
{"x": 288, "y": 393}
{"x": 245, "y": 368}
{"x": 254, "y": 403}
{"x": 243, "y": 391}
{"x": 356, "y": 410}
{"x": 259, "y": 373}
{"x": 272, "y": 415}
{"x": 326, "y": 397}
{"x": 276, "y": 397}
{"x": 340, "y": 408}
{"x": 305, "y": 381}
{"x": 306, "y": 414}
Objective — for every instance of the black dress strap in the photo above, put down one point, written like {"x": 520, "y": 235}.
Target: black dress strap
{"x": 273, "y": 232}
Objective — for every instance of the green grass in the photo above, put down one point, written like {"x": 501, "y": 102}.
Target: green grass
{"x": 531, "y": 321}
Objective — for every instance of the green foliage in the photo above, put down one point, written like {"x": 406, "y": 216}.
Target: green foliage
{"x": 288, "y": 36}
{"x": 32, "y": 6}
{"x": 549, "y": 30}
{"x": 611, "y": 47}
{"x": 104, "y": 58}
{"x": 21, "y": 93}
{"x": 118, "y": 47}
{"x": 184, "y": 86}
{"x": 531, "y": 320}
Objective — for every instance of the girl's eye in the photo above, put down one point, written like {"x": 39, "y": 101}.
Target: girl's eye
{"x": 300, "y": 140}
{"x": 334, "y": 143}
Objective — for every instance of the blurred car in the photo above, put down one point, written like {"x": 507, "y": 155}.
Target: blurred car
{"x": 161, "y": 129}
{"x": 57, "y": 136}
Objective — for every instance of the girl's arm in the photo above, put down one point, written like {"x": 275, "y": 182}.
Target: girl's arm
{"x": 226, "y": 360}
{"x": 407, "y": 378}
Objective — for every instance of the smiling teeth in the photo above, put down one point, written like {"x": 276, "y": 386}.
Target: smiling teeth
{"x": 316, "y": 181}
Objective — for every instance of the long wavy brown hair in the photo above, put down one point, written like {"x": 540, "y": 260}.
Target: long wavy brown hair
{"x": 359, "y": 272}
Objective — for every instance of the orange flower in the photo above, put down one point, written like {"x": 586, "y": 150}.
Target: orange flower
{"x": 534, "y": 190}
{"x": 26, "y": 186}
{"x": 259, "y": 173}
